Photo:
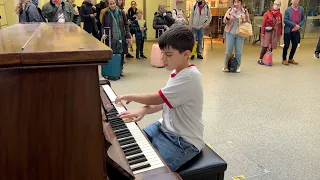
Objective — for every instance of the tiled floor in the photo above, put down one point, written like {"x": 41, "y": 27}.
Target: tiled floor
{"x": 264, "y": 121}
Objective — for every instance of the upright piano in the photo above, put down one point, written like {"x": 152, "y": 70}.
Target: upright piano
{"x": 56, "y": 120}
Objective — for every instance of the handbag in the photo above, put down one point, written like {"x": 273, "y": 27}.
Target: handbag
{"x": 267, "y": 58}
{"x": 244, "y": 29}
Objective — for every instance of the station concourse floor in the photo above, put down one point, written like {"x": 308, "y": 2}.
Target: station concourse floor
{"x": 264, "y": 122}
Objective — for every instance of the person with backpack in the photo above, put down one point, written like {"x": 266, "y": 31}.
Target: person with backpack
{"x": 162, "y": 20}
{"x": 271, "y": 29}
{"x": 232, "y": 19}
{"x": 28, "y": 12}
{"x": 200, "y": 17}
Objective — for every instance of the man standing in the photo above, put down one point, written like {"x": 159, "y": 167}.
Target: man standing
{"x": 88, "y": 16}
{"x": 293, "y": 20}
{"x": 58, "y": 11}
{"x": 200, "y": 17}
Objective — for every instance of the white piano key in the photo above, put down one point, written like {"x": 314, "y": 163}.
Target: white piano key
{"x": 112, "y": 96}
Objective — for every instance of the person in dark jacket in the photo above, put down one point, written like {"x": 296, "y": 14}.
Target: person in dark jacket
{"x": 121, "y": 5}
{"x": 132, "y": 11}
{"x": 28, "y": 12}
{"x": 115, "y": 19}
{"x": 59, "y": 11}
{"x": 101, "y": 5}
{"x": 88, "y": 16}
{"x": 77, "y": 18}
{"x": 317, "y": 51}
{"x": 162, "y": 20}
{"x": 139, "y": 25}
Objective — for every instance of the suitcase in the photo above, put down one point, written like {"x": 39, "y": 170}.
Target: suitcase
{"x": 113, "y": 69}
{"x": 155, "y": 59}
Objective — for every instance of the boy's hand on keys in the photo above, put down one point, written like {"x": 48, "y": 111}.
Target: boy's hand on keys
{"x": 133, "y": 115}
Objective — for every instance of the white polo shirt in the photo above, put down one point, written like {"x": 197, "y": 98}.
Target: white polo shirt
{"x": 182, "y": 111}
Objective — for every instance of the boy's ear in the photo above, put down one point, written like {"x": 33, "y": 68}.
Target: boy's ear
{"x": 187, "y": 53}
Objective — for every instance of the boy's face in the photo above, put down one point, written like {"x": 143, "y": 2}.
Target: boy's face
{"x": 139, "y": 15}
{"x": 173, "y": 59}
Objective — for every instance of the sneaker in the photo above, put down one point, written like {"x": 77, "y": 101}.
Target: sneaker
{"x": 137, "y": 57}
{"x": 291, "y": 61}
{"x": 192, "y": 57}
{"x": 316, "y": 55}
{"x": 260, "y": 62}
{"x": 238, "y": 70}
{"x": 129, "y": 55}
{"x": 285, "y": 62}
{"x": 143, "y": 56}
{"x": 225, "y": 70}
{"x": 199, "y": 57}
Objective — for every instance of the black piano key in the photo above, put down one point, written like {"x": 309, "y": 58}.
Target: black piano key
{"x": 141, "y": 167}
{"x": 114, "y": 125}
{"x": 114, "y": 118}
{"x": 128, "y": 147}
{"x": 137, "y": 151}
{"x": 127, "y": 141}
{"x": 118, "y": 128}
{"x": 117, "y": 123}
{"x": 137, "y": 161}
{"x": 124, "y": 131}
{"x": 131, "y": 149}
{"x": 123, "y": 135}
{"x": 112, "y": 113}
{"x": 136, "y": 157}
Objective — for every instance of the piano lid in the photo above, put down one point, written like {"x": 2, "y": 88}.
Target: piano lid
{"x": 50, "y": 44}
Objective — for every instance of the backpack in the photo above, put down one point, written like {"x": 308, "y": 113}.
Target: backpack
{"x": 233, "y": 64}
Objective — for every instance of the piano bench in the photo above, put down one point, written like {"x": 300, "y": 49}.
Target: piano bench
{"x": 206, "y": 165}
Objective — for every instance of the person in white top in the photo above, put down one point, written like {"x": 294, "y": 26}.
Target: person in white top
{"x": 178, "y": 136}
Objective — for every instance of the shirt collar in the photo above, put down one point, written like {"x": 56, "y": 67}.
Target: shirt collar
{"x": 174, "y": 73}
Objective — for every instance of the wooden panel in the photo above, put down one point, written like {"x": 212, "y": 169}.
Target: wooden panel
{"x": 60, "y": 43}
{"x": 50, "y": 124}
{"x": 12, "y": 39}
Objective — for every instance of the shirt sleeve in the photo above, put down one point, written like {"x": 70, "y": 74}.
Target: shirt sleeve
{"x": 177, "y": 92}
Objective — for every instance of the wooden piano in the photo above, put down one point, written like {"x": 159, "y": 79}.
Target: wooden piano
{"x": 56, "y": 121}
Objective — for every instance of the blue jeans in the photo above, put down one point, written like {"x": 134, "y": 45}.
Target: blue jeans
{"x": 198, "y": 36}
{"x": 173, "y": 149}
{"x": 233, "y": 40}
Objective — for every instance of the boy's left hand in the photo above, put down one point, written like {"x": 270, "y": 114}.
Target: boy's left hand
{"x": 133, "y": 115}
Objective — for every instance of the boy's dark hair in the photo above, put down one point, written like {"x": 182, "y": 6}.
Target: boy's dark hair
{"x": 178, "y": 37}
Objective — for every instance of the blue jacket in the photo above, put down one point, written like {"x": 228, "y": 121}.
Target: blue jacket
{"x": 138, "y": 32}
{"x": 288, "y": 24}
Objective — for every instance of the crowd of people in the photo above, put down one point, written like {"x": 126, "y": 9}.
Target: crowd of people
{"x": 126, "y": 24}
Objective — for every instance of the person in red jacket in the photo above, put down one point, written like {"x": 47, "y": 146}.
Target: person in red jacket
{"x": 271, "y": 29}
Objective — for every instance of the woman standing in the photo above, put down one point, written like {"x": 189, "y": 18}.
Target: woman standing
{"x": 162, "y": 20}
{"x": 271, "y": 29}
{"x": 28, "y": 12}
{"x": 115, "y": 19}
{"x": 233, "y": 17}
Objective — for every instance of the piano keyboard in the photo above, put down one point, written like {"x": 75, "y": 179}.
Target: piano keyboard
{"x": 137, "y": 149}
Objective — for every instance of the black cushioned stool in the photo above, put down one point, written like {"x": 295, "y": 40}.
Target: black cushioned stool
{"x": 206, "y": 165}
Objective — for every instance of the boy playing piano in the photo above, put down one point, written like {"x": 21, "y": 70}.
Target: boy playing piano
{"x": 178, "y": 136}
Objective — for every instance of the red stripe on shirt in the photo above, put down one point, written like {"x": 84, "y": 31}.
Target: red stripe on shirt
{"x": 165, "y": 99}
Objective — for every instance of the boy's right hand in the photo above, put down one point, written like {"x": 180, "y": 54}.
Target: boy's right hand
{"x": 133, "y": 115}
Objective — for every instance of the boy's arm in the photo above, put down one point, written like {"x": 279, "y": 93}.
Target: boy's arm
{"x": 138, "y": 114}
{"x": 147, "y": 99}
